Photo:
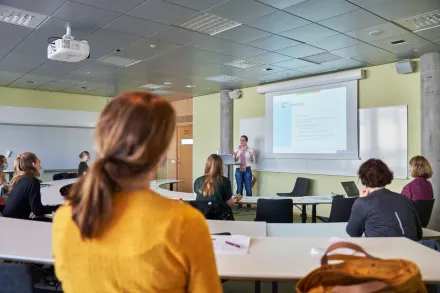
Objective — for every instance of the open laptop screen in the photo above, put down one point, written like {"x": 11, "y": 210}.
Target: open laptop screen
{"x": 350, "y": 188}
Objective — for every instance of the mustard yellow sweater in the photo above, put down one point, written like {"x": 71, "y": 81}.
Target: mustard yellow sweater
{"x": 152, "y": 244}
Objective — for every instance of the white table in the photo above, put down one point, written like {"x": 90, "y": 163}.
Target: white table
{"x": 251, "y": 229}
{"x": 322, "y": 230}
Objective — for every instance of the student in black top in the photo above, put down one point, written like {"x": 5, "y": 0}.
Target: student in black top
{"x": 24, "y": 200}
{"x": 83, "y": 167}
{"x": 380, "y": 212}
{"x": 213, "y": 185}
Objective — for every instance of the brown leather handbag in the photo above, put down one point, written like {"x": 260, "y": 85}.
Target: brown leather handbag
{"x": 361, "y": 274}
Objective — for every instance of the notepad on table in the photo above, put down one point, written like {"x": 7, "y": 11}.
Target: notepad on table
{"x": 231, "y": 244}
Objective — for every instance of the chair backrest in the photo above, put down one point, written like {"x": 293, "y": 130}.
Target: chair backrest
{"x": 57, "y": 176}
{"x": 15, "y": 278}
{"x": 424, "y": 210}
{"x": 301, "y": 187}
{"x": 341, "y": 209}
{"x": 275, "y": 210}
{"x": 214, "y": 210}
{"x": 65, "y": 189}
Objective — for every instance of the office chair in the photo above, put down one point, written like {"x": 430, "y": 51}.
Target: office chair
{"x": 15, "y": 278}
{"x": 424, "y": 210}
{"x": 274, "y": 210}
{"x": 340, "y": 211}
{"x": 57, "y": 176}
{"x": 213, "y": 210}
{"x": 299, "y": 189}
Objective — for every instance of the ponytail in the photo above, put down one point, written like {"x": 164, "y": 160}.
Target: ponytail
{"x": 23, "y": 166}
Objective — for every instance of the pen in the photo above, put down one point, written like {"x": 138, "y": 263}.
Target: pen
{"x": 233, "y": 244}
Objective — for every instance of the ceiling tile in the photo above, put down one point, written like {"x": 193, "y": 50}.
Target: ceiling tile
{"x": 316, "y": 10}
{"x": 135, "y": 26}
{"x": 409, "y": 38}
{"x": 364, "y": 4}
{"x": 176, "y": 35}
{"x": 113, "y": 39}
{"x": 351, "y": 21}
{"x": 54, "y": 86}
{"x": 293, "y": 64}
{"x": 344, "y": 64}
{"x": 377, "y": 60}
{"x": 260, "y": 70}
{"x": 113, "y": 5}
{"x": 335, "y": 42}
{"x": 430, "y": 34}
{"x": 8, "y": 30}
{"x": 21, "y": 84}
{"x": 45, "y": 7}
{"x": 92, "y": 85}
{"x": 313, "y": 69}
{"x": 277, "y": 22}
{"x": 98, "y": 50}
{"x": 309, "y": 33}
{"x": 162, "y": 12}
{"x": 197, "y": 4}
{"x": 74, "y": 90}
{"x": 108, "y": 91}
{"x": 37, "y": 79}
{"x": 52, "y": 68}
{"x": 93, "y": 70}
{"x": 394, "y": 9}
{"x": 242, "y": 34}
{"x": 417, "y": 50}
{"x": 386, "y": 30}
{"x": 281, "y": 4}
{"x": 300, "y": 51}
{"x": 359, "y": 50}
{"x": 145, "y": 48}
{"x": 8, "y": 77}
{"x": 273, "y": 43}
{"x": 19, "y": 63}
{"x": 240, "y": 50}
{"x": 210, "y": 43}
{"x": 81, "y": 13}
{"x": 283, "y": 75}
{"x": 270, "y": 58}
{"x": 241, "y": 10}
{"x": 7, "y": 44}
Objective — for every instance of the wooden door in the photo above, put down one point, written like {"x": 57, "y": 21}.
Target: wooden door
{"x": 184, "y": 157}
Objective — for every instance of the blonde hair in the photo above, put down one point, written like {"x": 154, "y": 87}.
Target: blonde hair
{"x": 213, "y": 169}
{"x": 420, "y": 167}
{"x": 24, "y": 166}
{"x": 132, "y": 134}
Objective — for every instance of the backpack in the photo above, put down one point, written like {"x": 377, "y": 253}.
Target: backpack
{"x": 361, "y": 274}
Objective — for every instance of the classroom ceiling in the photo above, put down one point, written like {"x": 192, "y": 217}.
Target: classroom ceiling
{"x": 270, "y": 40}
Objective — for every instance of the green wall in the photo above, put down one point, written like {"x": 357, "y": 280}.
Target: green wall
{"x": 381, "y": 87}
{"x": 50, "y": 100}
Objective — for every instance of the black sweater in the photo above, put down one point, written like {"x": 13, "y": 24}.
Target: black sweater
{"x": 26, "y": 198}
{"x": 82, "y": 168}
{"x": 384, "y": 213}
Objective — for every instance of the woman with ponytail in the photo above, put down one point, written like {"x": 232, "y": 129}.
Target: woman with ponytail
{"x": 213, "y": 185}
{"x": 117, "y": 235}
{"x": 24, "y": 196}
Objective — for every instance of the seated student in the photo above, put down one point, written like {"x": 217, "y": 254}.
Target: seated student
{"x": 24, "y": 196}
{"x": 116, "y": 234}
{"x": 420, "y": 188}
{"x": 379, "y": 212}
{"x": 3, "y": 182}
{"x": 83, "y": 167}
{"x": 213, "y": 185}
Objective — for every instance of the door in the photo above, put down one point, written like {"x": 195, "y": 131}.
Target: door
{"x": 184, "y": 157}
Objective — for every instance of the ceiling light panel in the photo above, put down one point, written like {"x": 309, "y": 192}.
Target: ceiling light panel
{"x": 209, "y": 24}
{"x": 20, "y": 17}
{"x": 243, "y": 64}
{"x": 117, "y": 61}
{"x": 421, "y": 22}
{"x": 223, "y": 78}
{"x": 321, "y": 58}
{"x": 153, "y": 86}
{"x": 163, "y": 92}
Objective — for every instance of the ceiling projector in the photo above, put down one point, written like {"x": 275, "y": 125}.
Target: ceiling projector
{"x": 67, "y": 49}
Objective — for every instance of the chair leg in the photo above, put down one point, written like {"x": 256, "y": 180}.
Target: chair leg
{"x": 257, "y": 287}
{"x": 274, "y": 287}
{"x": 304, "y": 214}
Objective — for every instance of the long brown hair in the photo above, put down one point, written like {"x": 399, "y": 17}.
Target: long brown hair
{"x": 24, "y": 166}
{"x": 131, "y": 136}
{"x": 2, "y": 175}
{"x": 213, "y": 169}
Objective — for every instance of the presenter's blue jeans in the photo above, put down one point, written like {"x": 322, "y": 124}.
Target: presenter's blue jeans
{"x": 244, "y": 179}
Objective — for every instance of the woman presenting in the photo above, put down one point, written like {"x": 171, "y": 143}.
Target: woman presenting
{"x": 243, "y": 175}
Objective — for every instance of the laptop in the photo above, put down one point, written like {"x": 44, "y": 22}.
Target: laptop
{"x": 228, "y": 159}
{"x": 350, "y": 188}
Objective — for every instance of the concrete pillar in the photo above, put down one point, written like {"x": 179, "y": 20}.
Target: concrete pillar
{"x": 226, "y": 129}
{"x": 430, "y": 124}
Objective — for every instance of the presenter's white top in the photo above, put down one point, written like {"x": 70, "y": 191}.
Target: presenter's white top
{"x": 249, "y": 163}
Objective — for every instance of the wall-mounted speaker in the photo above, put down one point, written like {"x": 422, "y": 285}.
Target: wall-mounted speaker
{"x": 405, "y": 66}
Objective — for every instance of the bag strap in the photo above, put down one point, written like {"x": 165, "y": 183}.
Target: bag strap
{"x": 368, "y": 287}
{"x": 338, "y": 245}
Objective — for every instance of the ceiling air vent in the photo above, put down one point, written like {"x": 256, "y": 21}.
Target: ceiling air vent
{"x": 223, "y": 78}
{"x": 321, "y": 58}
{"x": 209, "y": 24}
{"x": 398, "y": 42}
{"x": 243, "y": 64}
{"x": 117, "y": 61}
{"x": 421, "y": 22}
{"x": 20, "y": 17}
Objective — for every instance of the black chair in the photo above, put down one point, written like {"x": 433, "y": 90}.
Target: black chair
{"x": 65, "y": 189}
{"x": 214, "y": 210}
{"x": 299, "y": 189}
{"x": 340, "y": 211}
{"x": 57, "y": 176}
{"x": 424, "y": 210}
{"x": 15, "y": 278}
{"x": 64, "y": 175}
{"x": 274, "y": 210}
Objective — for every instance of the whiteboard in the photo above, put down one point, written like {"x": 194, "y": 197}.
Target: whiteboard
{"x": 58, "y": 147}
{"x": 383, "y": 134}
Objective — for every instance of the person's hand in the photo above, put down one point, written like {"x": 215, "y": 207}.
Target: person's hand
{"x": 364, "y": 192}
{"x": 235, "y": 155}
{"x": 252, "y": 156}
{"x": 239, "y": 197}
